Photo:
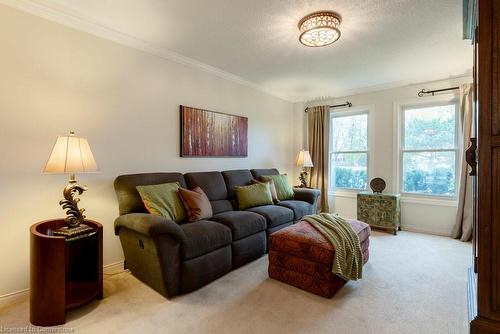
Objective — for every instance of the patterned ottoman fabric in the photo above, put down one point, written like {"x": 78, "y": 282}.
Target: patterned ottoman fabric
{"x": 306, "y": 282}
{"x": 308, "y": 266}
{"x": 301, "y": 256}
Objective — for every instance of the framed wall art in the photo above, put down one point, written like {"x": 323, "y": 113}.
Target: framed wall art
{"x": 207, "y": 133}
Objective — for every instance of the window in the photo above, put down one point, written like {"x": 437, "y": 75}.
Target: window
{"x": 349, "y": 150}
{"x": 428, "y": 149}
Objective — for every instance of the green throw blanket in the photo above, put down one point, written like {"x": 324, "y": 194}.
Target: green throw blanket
{"x": 348, "y": 259}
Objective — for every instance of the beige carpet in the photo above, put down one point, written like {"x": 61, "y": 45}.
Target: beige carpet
{"x": 414, "y": 283}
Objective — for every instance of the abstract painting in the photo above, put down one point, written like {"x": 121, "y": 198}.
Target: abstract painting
{"x": 212, "y": 134}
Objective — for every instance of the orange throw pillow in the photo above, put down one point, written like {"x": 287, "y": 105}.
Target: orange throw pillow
{"x": 274, "y": 195}
{"x": 197, "y": 203}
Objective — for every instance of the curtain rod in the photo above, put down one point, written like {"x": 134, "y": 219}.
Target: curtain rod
{"x": 424, "y": 92}
{"x": 346, "y": 104}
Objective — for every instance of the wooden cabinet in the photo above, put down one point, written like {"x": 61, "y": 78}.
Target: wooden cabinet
{"x": 487, "y": 227}
{"x": 380, "y": 210}
{"x": 64, "y": 274}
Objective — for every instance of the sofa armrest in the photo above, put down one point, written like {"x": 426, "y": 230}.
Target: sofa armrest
{"x": 306, "y": 194}
{"x": 150, "y": 225}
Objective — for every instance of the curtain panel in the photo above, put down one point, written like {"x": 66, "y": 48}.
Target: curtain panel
{"x": 464, "y": 218}
{"x": 318, "y": 122}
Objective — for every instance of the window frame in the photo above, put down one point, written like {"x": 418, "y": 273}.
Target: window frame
{"x": 344, "y": 112}
{"x": 434, "y": 101}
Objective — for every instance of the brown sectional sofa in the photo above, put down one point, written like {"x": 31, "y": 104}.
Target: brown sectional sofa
{"x": 178, "y": 258}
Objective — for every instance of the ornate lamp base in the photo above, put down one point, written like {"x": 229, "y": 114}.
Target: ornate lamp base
{"x": 74, "y": 215}
{"x": 302, "y": 178}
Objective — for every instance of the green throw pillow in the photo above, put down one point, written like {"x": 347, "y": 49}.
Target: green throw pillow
{"x": 254, "y": 195}
{"x": 163, "y": 200}
{"x": 283, "y": 188}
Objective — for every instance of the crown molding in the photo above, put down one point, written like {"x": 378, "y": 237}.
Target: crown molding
{"x": 467, "y": 76}
{"x": 53, "y": 12}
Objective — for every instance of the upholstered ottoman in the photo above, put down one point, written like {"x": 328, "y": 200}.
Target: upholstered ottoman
{"x": 301, "y": 256}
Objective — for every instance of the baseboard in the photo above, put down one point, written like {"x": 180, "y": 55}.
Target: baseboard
{"x": 416, "y": 230}
{"x": 112, "y": 268}
{"x": 15, "y": 293}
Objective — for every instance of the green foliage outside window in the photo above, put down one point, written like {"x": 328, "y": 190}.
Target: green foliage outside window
{"x": 431, "y": 132}
{"x": 350, "y": 178}
{"x": 349, "y": 158}
{"x": 440, "y": 181}
{"x": 429, "y": 150}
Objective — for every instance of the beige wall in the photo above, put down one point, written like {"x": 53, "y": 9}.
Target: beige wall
{"x": 126, "y": 102}
{"x": 429, "y": 216}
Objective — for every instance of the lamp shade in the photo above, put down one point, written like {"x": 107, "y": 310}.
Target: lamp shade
{"x": 71, "y": 155}
{"x": 304, "y": 159}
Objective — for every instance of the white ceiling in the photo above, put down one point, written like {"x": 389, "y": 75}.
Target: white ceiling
{"x": 382, "y": 43}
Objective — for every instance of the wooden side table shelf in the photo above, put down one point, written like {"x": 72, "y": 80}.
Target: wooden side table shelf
{"x": 380, "y": 210}
{"x": 64, "y": 274}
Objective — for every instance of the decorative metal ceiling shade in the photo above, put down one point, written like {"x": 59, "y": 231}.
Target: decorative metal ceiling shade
{"x": 319, "y": 29}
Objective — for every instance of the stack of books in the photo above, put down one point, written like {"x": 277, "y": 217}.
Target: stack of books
{"x": 75, "y": 233}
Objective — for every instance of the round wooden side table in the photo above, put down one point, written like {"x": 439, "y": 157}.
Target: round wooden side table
{"x": 64, "y": 273}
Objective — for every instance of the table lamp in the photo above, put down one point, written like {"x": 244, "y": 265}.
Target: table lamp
{"x": 71, "y": 155}
{"x": 304, "y": 160}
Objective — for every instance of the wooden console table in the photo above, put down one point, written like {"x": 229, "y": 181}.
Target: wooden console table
{"x": 64, "y": 274}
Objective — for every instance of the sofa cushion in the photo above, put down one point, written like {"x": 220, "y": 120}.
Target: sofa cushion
{"x": 241, "y": 223}
{"x": 236, "y": 178}
{"x": 275, "y": 215}
{"x": 202, "y": 237}
{"x": 212, "y": 183}
{"x": 258, "y": 173}
{"x": 300, "y": 208}
{"x": 222, "y": 206}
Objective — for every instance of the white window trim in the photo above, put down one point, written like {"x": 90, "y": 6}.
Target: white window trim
{"x": 398, "y": 164}
{"x": 368, "y": 109}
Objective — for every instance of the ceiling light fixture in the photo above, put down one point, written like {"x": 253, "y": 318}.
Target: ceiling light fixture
{"x": 319, "y": 29}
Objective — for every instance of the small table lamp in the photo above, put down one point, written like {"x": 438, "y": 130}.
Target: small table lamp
{"x": 304, "y": 160}
{"x": 71, "y": 155}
